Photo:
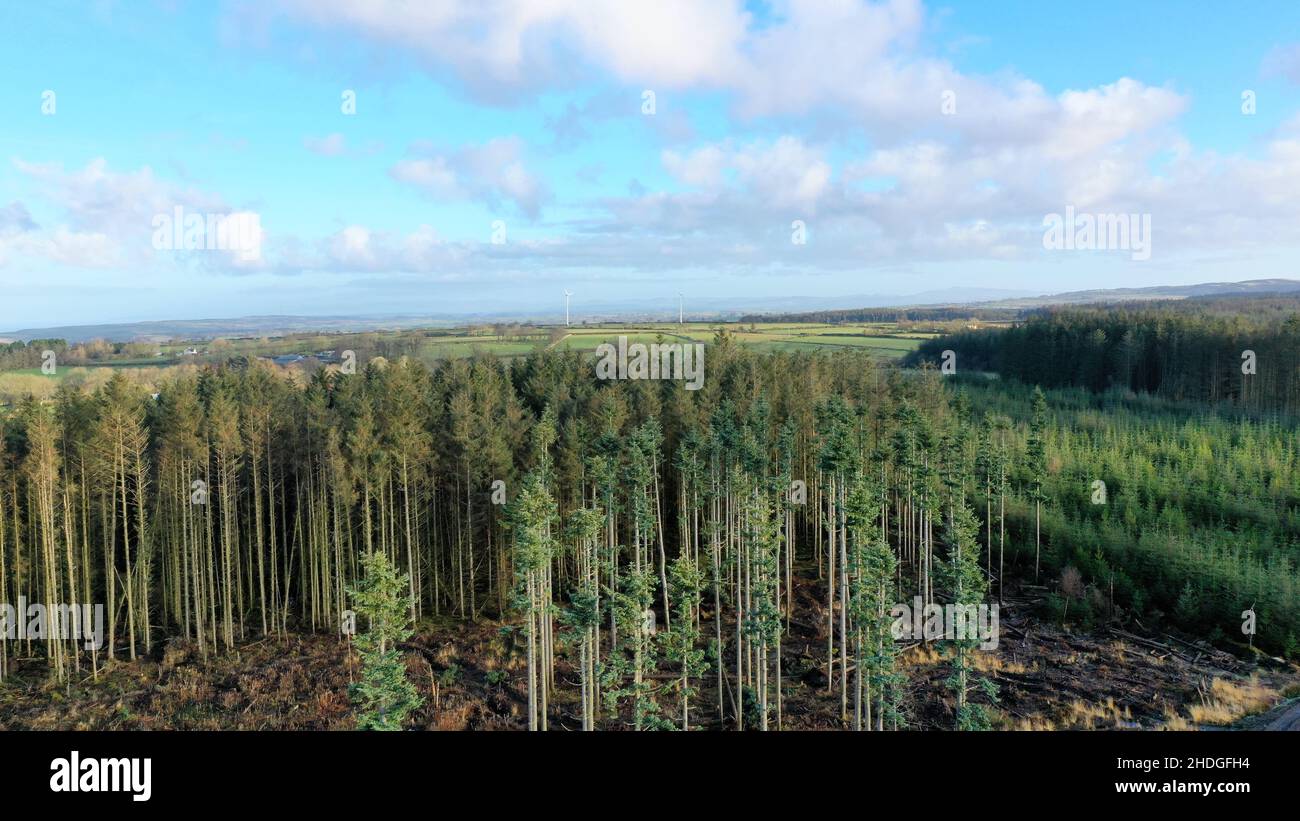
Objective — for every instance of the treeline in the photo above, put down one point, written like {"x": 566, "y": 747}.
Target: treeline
{"x": 949, "y": 313}
{"x": 19, "y": 354}
{"x": 1174, "y": 352}
{"x": 32, "y": 353}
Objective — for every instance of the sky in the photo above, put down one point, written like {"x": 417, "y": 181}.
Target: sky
{"x": 345, "y": 157}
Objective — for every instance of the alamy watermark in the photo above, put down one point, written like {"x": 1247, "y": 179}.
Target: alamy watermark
{"x": 53, "y": 622}
{"x": 239, "y": 233}
{"x": 125, "y": 775}
{"x": 673, "y": 360}
{"x": 953, "y": 622}
{"x": 1098, "y": 232}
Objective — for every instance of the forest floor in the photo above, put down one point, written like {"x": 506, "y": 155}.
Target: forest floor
{"x": 472, "y": 677}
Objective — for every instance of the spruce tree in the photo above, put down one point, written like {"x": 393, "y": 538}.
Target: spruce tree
{"x": 878, "y": 682}
{"x": 966, "y": 587}
{"x": 1036, "y": 457}
{"x": 384, "y": 697}
{"x": 583, "y": 613}
{"x": 686, "y": 583}
{"x": 531, "y": 516}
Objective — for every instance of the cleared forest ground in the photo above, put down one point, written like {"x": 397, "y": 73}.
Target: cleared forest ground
{"x": 471, "y": 676}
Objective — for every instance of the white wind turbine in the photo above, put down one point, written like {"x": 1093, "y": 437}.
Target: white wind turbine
{"x": 567, "y": 294}
{"x": 680, "y": 309}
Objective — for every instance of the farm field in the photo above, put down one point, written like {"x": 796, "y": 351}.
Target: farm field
{"x": 883, "y": 340}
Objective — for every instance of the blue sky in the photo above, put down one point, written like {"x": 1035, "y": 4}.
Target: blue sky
{"x": 523, "y": 120}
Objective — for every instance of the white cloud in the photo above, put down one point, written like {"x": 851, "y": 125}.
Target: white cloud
{"x": 331, "y": 145}
{"x": 786, "y": 173}
{"x": 109, "y": 218}
{"x": 498, "y": 46}
{"x": 849, "y": 60}
{"x": 493, "y": 172}
{"x": 1088, "y": 121}
{"x": 702, "y": 167}
{"x": 1283, "y": 61}
{"x": 15, "y": 218}
{"x": 61, "y": 246}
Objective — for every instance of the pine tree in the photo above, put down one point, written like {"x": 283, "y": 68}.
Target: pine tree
{"x": 532, "y": 516}
{"x": 583, "y": 612}
{"x": 762, "y": 623}
{"x": 42, "y": 467}
{"x": 836, "y": 462}
{"x": 966, "y": 587}
{"x": 624, "y": 676}
{"x": 1036, "y": 457}
{"x": 878, "y": 683}
{"x": 384, "y": 697}
{"x": 686, "y": 583}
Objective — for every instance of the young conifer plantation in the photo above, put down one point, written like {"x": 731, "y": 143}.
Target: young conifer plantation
{"x": 660, "y": 557}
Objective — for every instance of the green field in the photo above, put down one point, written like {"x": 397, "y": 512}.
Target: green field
{"x": 883, "y": 340}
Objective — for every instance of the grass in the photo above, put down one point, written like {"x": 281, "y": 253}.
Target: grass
{"x": 878, "y": 338}
{"x": 17, "y": 385}
{"x": 469, "y": 347}
{"x": 57, "y": 375}
{"x": 1078, "y": 715}
{"x": 1224, "y": 701}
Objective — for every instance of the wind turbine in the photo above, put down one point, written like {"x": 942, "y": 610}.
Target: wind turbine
{"x": 680, "y": 309}
{"x": 567, "y": 294}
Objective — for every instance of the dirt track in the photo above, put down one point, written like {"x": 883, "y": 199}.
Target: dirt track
{"x": 1287, "y": 719}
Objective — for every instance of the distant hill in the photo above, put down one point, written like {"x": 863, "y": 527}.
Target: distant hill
{"x": 1018, "y": 306}
{"x": 697, "y": 308}
{"x": 241, "y": 326}
{"x": 942, "y": 304}
{"x": 1250, "y": 287}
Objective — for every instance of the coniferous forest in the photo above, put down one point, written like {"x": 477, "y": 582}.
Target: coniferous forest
{"x": 1239, "y": 351}
{"x": 652, "y": 557}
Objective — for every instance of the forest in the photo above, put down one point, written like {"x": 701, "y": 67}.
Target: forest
{"x": 1240, "y": 351}
{"x": 948, "y": 313}
{"x": 657, "y": 543}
